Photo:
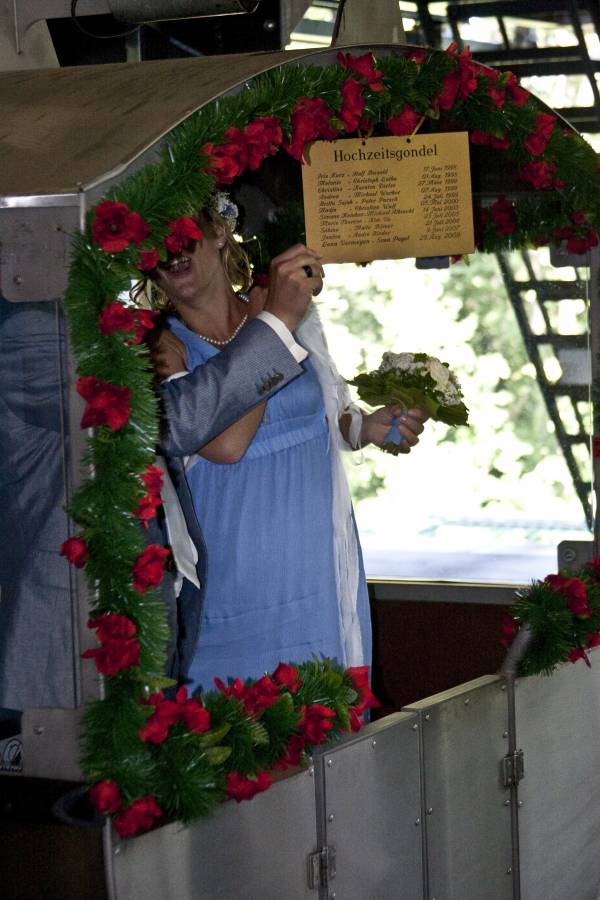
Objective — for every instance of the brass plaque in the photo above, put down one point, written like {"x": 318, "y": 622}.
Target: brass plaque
{"x": 388, "y": 197}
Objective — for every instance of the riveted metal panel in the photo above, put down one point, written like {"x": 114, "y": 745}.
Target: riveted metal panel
{"x": 372, "y": 811}
{"x": 255, "y": 850}
{"x": 467, "y": 824}
{"x": 558, "y": 728}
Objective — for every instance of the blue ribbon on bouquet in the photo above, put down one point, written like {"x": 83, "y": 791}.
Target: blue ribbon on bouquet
{"x": 393, "y": 436}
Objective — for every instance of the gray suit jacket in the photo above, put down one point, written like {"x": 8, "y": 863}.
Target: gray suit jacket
{"x": 197, "y": 407}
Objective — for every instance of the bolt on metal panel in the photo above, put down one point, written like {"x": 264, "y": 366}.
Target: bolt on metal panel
{"x": 467, "y": 811}
{"x": 372, "y": 811}
{"x": 257, "y": 849}
{"x": 558, "y": 728}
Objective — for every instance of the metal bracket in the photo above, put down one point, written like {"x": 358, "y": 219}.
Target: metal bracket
{"x": 513, "y": 768}
{"x": 321, "y": 868}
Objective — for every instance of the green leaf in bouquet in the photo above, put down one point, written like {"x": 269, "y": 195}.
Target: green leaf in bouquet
{"x": 458, "y": 414}
{"x": 217, "y": 755}
{"x": 215, "y": 735}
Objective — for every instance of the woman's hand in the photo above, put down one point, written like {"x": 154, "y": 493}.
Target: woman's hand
{"x": 376, "y": 426}
{"x": 167, "y": 352}
{"x": 295, "y": 277}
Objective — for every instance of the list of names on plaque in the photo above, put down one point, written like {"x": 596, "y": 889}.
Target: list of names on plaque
{"x": 382, "y": 198}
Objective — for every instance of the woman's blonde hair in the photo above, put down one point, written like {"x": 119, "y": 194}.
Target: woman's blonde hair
{"x": 237, "y": 267}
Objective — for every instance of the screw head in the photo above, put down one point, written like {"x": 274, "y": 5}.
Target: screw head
{"x": 417, "y": 821}
{"x": 18, "y": 279}
{"x": 373, "y": 744}
{"x": 430, "y": 811}
{"x": 415, "y": 727}
{"x": 507, "y": 802}
{"x": 269, "y": 25}
{"x": 509, "y": 870}
{"x": 330, "y": 817}
{"x": 38, "y": 729}
{"x": 505, "y": 734}
{"x": 467, "y": 701}
{"x": 329, "y": 763}
{"x": 311, "y": 770}
{"x": 427, "y": 717}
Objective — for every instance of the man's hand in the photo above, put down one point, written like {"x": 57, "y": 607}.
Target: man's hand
{"x": 295, "y": 277}
{"x": 376, "y": 426}
{"x": 167, "y": 352}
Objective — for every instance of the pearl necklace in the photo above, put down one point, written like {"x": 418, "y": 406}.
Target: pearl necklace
{"x": 241, "y": 295}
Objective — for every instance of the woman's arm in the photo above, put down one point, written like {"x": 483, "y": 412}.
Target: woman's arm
{"x": 229, "y": 446}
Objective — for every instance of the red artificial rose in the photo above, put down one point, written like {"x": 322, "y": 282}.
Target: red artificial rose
{"x": 419, "y": 56}
{"x": 146, "y": 508}
{"x": 575, "y": 593}
{"x": 404, "y": 122}
{"x": 119, "y": 648}
{"x": 241, "y": 788}
{"x": 107, "y": 404}
{"x": 237, "y": 689}
{"x": 353, "y": 104}
{"x": 467, "y": 74}
{"x": 287, "y": 677}
{"x": 137, "y": 817}
{"x": 261, "y": 695}
{"x": 149, "y": 567}
{"x": 311, "y": 119}
{"x": 593, "y": 640}
{"x": 180, "y": 232}
{"x": 195, "y": 717}
{"x": 292, "y": 755}
{"x": 578, "y": 217}
{"x": 115, "y": 227}
{"x": 496, "y": 94}
{"x": 76, "y": 551}
{"x": 116, "y": 317}
{"x": 509, "y": 630}
{"x": 153, "y": 480}
{"x": 166, "y": 713}
{"x": 364, "y": 67}
{"x": 359, "y": 676}
{"x": 518, "y": 95}
{"x": 144, "y": 321}
{"x": 540, "y": 174}
{"x": 445, "y": 99}
{"x": 262, "y": 137}
{"x": 315, "y": 722}
{"x": 582, "y": 243}
{"x": 537, "y": 141}
{"x": 503, "y": 216}
{"x": 579, "y": 653}
{"x": 148, "y": 260}
{"x": 105, "y": 797}
{"x": 485, "y": 139}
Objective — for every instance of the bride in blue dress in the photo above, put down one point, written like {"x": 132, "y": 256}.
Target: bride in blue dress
{"x": 285, "y": 577}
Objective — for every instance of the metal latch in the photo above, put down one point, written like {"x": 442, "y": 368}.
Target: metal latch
{"x": 513, "y": 768}
{"x": 321, "y": 867}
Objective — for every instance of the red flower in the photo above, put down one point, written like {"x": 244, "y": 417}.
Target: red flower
{"x": 139, "y": 816}
{"x": 310, "y": 119}
{"x": 116, "y": 317}
{"x": 509, "y": 630}
{"x": 76, "y": 551}
{"x": 292, "y": 755}
{"x": 537, "y": 141}
{"x": 146, "y": 508}
{"x": 593, "y": 640}
{"x": 107, "y": 404}
{"x": 166, "y": 713}
{"x": 241, "y": 788}
{"x": 230, "y": 159}
{"x": 315, "y": 722}
{"x": 105, "y": 796}
{"x": 575, "y": 593}
{"x": 115, "y": 227}
{"x": 593, "y": 568}
{"x": 467, "y": 74}
{"x": 153, "y": 480}
{"x": 149, "y": 567}
{"x": 496, "y": 95}
{"x": 262, "y": 137}
{"x": 148, "y": 260}
{"x": 144, "y": 321}
{"x": 191, "y": 712}
{"x": 287, "y": 676}
{"x": 486, "y": 139}
{"x": 180, "y": 232}
{"x": 538, "y": 173}
{"x": 359, "y": 676}
{"x": 364, "y": 67}
{"x": 445, "y": 99}
{"x": 261, "y": 695}
{"x": 596, "y": 446}
{"x": 503, "y": 216}
{"x": 419, "y": 55}
{"x": 518, "y": 95}
{"x": 405, "y": 122}
{"x": 582, "y": 243}
{"x": 119, "y": 648}
{"x": 353, "y": 104}
{"x": 237, "y": 689}
{"x": 579, "y": 653}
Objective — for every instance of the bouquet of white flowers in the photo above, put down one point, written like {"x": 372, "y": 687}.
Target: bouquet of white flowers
{"x": 414, "y": 380}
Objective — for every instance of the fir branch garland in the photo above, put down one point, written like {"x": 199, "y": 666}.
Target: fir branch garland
{"x": 150, "y": 757}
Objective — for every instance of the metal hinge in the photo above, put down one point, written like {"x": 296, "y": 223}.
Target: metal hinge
{"x": 513, "y": 768}
{"x": 321, "y": 867}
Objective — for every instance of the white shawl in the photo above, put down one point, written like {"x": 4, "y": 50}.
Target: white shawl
{"x": 337, "y": 401}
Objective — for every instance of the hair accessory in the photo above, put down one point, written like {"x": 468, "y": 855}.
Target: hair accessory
{"x": 222, "y": 204}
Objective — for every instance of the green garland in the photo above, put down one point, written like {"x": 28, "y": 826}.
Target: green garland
{"x": 185, "y": 773}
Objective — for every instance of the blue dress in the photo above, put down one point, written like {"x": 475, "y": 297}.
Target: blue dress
{"x": 270, "y": 592}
